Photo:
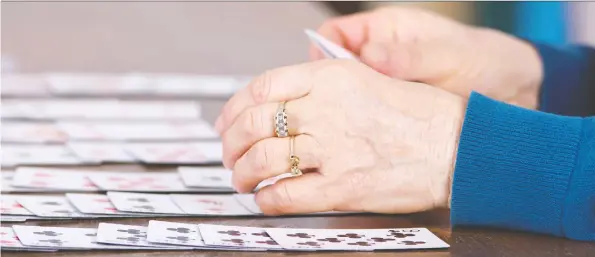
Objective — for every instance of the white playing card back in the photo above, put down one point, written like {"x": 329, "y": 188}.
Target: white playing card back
{"x": 328, "y": 48}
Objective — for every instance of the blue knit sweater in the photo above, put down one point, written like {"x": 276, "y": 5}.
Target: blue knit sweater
{"x": 529, "y": 170}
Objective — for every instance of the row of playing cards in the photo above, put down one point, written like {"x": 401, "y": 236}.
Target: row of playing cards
{"x": 179, "y": 153}
{"x": 160, "y": 235}
{"x": 101, "y": 131}
{"x": 95, "y": 85}
{"x": 186, "y": 179}
{"x": 18, "y": 208}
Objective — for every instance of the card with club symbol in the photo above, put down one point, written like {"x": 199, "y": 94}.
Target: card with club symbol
{"x": 206, "y": 177}
{"x": 118, "y": 234}
{"x": 9, "y": 241}
{"x": 355, "y": 239}
{"x": 235, "y": 236}
{"x": 50, "y": 206}
{"x": 143, "y": 203}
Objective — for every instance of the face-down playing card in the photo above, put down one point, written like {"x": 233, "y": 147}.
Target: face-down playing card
{"x": 119, "y": 234}
{"x": 235, "y": 236}
{"x": 355, "y": 239}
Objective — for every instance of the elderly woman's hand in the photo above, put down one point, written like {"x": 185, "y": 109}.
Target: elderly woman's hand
{"x": 417, "y": 45}
{"x": 366, "y": 142}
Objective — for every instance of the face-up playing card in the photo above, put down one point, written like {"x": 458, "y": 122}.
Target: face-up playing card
{"x": 328, "y": 48}
{"x": 206, "y": 177}
{"x": 30, "y": 132}
{"x": 196, "y": 85}
{"x": 138, "y": 181}
{"x": 220, "y": 205}
{"x": 23, "y": 85}
{"x": 14, "y": 218}
{"x": 95, "y": 204}
{"x": 143, "y": 203}
{"x": 177, "y": 153}
{"x": 10, "y": 241}
{"x": 234, "y": 236}
{"x": 10, "y": 206}
{"x": 62, "y": 238}
{"x": 98, "y": 84}
{"x": 101, "y": 152}
{"x": 163, "y": 232}
{"x": 49, "y": 206}
{"x": 37, "y": 155}
{"x": 247, "y": 200}
{"x": 148, "y": 110}
{"x": 355, "y": 239}
{"x": 70, "y": 180}
{"x": 118, "y": 234}
{"x": 6, "y": 185}
{"x": 137, "y": 131}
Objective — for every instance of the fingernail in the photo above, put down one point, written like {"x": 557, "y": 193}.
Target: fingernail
{"x": 219, "y": 124}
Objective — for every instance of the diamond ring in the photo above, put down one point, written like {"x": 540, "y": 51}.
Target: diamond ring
{"x": 281, "y": 129}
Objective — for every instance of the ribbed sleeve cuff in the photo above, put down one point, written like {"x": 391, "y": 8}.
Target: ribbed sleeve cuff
{"x": 513, "y": 167}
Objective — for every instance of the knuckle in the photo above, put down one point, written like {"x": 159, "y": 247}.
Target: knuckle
{"x": 261, "y": 87}
{"x": 253, "y": 122}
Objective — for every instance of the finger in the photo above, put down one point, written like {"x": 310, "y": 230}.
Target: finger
{"x": 257, "y": 123}
{"x": 421, "y": 61}
{"x": 294, "y": 195}
{"x": 282, "y": 84}
{"x": 270, "y": 157}
{"x": 348, "y": 31}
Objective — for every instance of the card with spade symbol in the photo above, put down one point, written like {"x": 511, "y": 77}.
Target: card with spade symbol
{"x": 235, "y": 236}
{"x": 215, "y": 177}
{"x": 143, "y": 203}
{"x": 118, "y": 234}
{"x": 355, "y": 239}
{"x": 62, "y": 238}
{"x": 10, "y": 242}
{"x": 50, "y": 206}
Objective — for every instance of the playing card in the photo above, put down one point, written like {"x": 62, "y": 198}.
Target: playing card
{"x": 62, "y": 238}
{"x": 184, "y": 85}
{"x": 6, "y": 186}
{"x": 158, "y": 110}
{"x": 355, "y": 239}
{"x": 177, "y": 153}
{"x": 9, "y": 241}
{"x": 98, "y": 84}
{"x": 219, "y": 205}
{"x": 328, "y": 48}
{"x": 23, "y": 85}
{"x": 143, "y": 203}
{"x": 95, "y": 204}
{"x": 50, "y": 206}
{"x": 13, "y": 218}
{"x": 138, "y": 181}
{"x": 235, "y": 236}
{"x": 247, "y": 200}
{"x": 10, "y": 206}
{"x": 174, "y": 233}
{"x": 109, "y": 233}
{"x": 101, "y": 152}
{"x": 32, "y": 132}
{"x": 37, "y": 155}
{"x": 67, "y": 180}
{"x": 137, "y": 131}
{"x": 206, "y": 177}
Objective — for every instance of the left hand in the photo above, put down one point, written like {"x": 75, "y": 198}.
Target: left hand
{"x": 366, "y": 142}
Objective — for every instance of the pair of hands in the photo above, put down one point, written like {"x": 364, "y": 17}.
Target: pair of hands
{"x": 368, "y": 138}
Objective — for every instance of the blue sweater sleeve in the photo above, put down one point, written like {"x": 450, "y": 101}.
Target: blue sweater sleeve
{"x": 568, "y": 86}
{"x": 525, "y": 170}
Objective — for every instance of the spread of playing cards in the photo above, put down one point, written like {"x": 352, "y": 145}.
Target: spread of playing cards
{"x": 66, "y": 137}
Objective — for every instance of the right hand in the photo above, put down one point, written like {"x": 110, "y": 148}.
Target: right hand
{"x": 418, "y": 45}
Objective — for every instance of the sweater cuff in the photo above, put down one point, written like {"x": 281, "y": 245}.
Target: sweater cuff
{"x": 513, "y": 167}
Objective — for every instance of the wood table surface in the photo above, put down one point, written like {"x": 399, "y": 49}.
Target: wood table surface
{"x": 244, "y": 38}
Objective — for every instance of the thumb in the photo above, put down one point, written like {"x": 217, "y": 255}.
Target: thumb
{"x": 425, "y": 62}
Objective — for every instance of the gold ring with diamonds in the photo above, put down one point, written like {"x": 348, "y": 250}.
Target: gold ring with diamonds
{"x": 294, "y": 161}
{"x": 281, "y": 129}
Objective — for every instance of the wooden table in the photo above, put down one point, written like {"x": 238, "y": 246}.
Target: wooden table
{"x": 254, "y": 36}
